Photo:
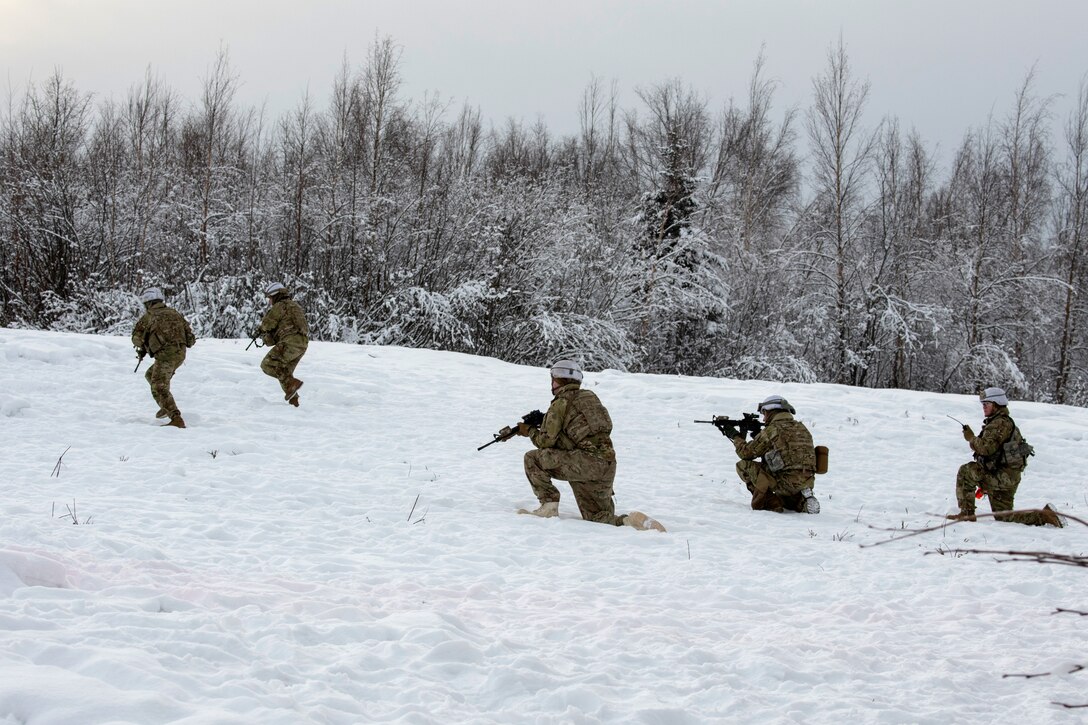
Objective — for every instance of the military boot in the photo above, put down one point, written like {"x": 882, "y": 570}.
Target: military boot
{"x": 546, "y": 510}
{"x": 767, "y": 501}
{"x": 963, "y": 515}
{"x": 293, "y": 400}
{"x": 176, "y": 421}
{"x": 810, "y": 504}
{"x": 1050, "y": 517}
{"x": 642, "y": 522}
{"x": 292, "y": 387}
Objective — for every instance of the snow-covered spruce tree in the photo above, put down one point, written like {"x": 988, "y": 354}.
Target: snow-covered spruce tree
{"x": 677, "y": 286}
{"x": 676, "y": 295}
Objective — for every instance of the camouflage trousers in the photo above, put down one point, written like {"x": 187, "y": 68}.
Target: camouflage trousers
{"x": 771, "y": 493}
{"x": 158, "y": 376}
{"x": 281, "y": 360}
{"x": 590, "y": 478}
{"x": 1000, "y": 487}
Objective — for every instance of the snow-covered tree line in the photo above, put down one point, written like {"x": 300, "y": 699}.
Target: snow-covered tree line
{"x": 814, "y": 244}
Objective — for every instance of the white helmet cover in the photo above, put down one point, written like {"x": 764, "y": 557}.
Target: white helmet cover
{"x": 567, "y": 370}
{"x": 994, "y": 395}
{"x": 151, "y": 294}
{"x": 775, "y": 402}
{"x": 272, "y": 288}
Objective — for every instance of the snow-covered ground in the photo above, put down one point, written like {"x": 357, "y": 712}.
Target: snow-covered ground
{"x": 357, "y": 560}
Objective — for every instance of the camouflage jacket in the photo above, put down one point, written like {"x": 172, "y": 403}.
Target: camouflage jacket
{"x": 988, "y": 444}
{"x": 162, "y": 327}
{"x": 284, "y": 322}
{"x": 576, "y": 421}
{"x": 783, "y": 437}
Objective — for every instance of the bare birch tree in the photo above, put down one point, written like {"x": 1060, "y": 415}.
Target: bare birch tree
{"x": 841, "y": 151}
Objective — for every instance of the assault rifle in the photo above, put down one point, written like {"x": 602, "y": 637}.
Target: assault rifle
{"x": 533, "y": 419}
{"x": 140, "y": 353}
{"x": 253, "y": 339}
{"x": 750, "y": 423}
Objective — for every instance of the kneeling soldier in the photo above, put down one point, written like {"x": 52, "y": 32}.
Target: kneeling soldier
{"x": 574, "y": 444}
{"x": 785, "y": 475}
{"x": 1001, "y": 455}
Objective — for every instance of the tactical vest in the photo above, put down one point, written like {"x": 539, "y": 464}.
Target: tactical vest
{"x": 293, "y": 321}
{"x": 793, "y": 448}
{"x": 167, "y": 329}
{"x": 587, "y": 419}
{"x": 1012, "y": 454}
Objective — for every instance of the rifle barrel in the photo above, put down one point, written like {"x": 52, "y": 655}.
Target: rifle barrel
{"x": 497, "y": 440}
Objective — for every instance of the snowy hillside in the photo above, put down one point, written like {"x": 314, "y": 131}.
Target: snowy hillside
{"x": 357, "y": 560}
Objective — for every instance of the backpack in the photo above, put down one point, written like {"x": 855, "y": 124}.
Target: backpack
{"x": 1016, "y": 451}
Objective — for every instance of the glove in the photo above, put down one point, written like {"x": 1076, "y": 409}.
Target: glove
{"x": 524, "y": 429}
{"x": 730, "y": 431}
{"x": 968, "y": 434}
{"x": 140, "y": 352}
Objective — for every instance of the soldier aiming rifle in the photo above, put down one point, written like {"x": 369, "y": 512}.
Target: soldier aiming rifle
{"x": 779, "y": 464}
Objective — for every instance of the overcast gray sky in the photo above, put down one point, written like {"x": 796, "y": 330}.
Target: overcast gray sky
{"x": 939, "y": 65}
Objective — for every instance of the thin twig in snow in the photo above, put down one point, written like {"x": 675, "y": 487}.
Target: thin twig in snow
{"x": 56, "y": 468}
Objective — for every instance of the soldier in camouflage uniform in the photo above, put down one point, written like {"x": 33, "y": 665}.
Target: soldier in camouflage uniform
{"x": 1000, "y": 457}
{"x": 785, "y": 475}
{"x": 573, "y": 443}
{"x": 284, "y": 329}
{"x": 165, "y": 335}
